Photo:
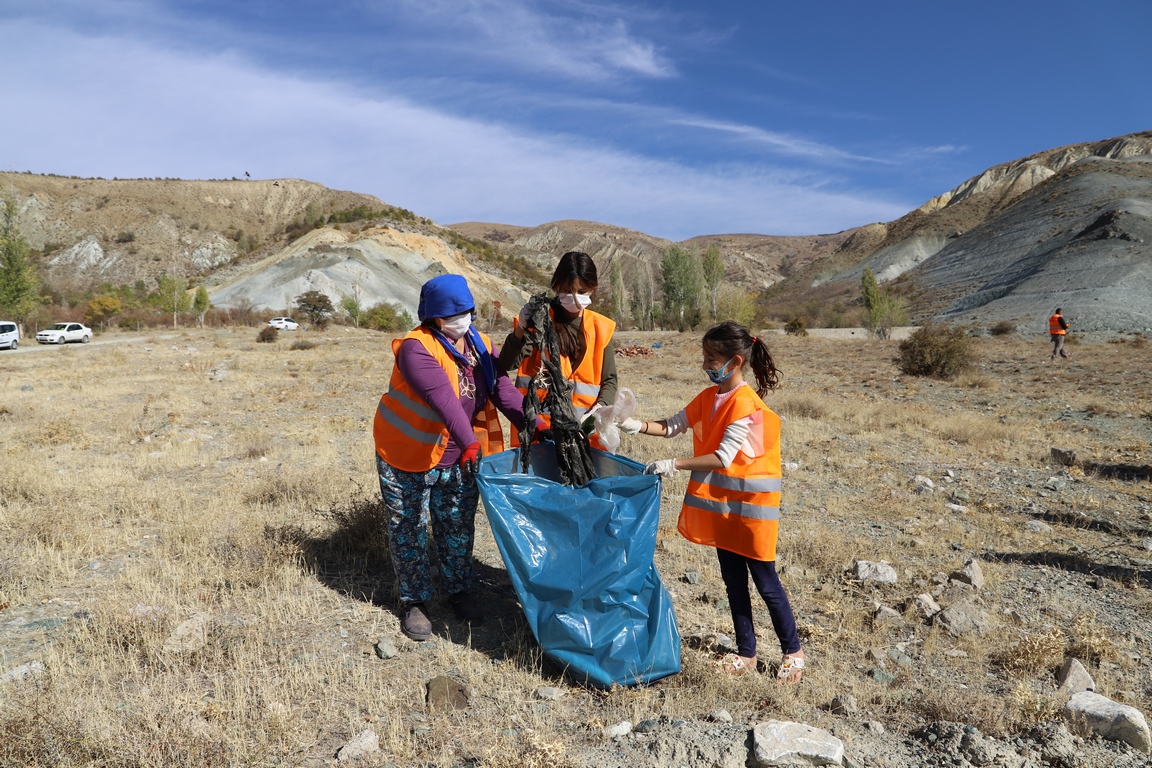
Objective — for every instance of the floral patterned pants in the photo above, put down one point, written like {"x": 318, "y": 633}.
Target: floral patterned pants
{"x": 444, "y": 500}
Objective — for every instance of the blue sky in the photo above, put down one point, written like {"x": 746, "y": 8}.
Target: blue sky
{"x": 676, "y": 118}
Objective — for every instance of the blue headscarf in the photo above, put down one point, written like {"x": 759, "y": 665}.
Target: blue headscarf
{"x": 448, "y": 296}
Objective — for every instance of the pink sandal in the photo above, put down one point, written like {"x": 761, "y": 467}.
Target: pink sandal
{"x": 733, "y": 664}
{"x": 791, "y": 669}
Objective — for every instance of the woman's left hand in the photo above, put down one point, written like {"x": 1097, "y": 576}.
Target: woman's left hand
{"x": 662, "y": 467}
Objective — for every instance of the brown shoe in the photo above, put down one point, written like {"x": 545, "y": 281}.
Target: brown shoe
{"x": 465, "y": 607}
{"x": 416, "y": 623}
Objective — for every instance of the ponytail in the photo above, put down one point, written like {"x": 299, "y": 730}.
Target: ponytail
{"x": 729, "y": 338}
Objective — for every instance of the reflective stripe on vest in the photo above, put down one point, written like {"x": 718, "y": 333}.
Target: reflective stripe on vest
{"x": 420, "y": 436}
{"x": 749, "y": 485}
{"x": 733, "y": 507}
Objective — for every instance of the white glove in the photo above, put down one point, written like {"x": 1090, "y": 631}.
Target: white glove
{"x": 523, "y": 316}
{"x": 591, "y": 412}
{"x": 663, "y": 467}
{"x": 631, "y": 426}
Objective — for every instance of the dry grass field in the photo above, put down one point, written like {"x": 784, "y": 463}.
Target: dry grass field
{"x": 190, "y": 547}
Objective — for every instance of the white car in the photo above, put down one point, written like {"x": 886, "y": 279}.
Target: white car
{"x": 62, "y": 332}
{"x": 9, "y": 335}
{"x": 284, "y": 324}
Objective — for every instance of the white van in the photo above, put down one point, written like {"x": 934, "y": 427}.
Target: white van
{"x": 9, "y": 335}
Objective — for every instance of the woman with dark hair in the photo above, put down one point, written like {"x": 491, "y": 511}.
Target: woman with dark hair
{"x": 436, "y": 420}
{"x": 587, "y": 355}
{"x": 733, "y": 497}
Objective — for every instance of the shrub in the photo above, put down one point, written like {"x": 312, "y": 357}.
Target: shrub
{"x": 1003, "y": 328}
{"x": 267, "y": 335}
{"x": 938, "y": 351}
{"x": 300, "y": 343}
{"x": 796, "y": 327}
{"x": 386, "y": 316}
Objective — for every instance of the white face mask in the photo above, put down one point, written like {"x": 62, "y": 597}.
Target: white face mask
{"x": 456, "y": 326}
{"x": 575, "y": 302}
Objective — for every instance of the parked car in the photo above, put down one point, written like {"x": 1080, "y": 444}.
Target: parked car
{"x": 9, "y": 335}
{"x": 62, "y": 332}
{"x": 284, "y": 324}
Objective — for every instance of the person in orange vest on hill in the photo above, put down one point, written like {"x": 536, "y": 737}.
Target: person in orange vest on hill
{"x": 587, "y": 355}
{"x": 435, "y": 422}
{"x": 733, "y": 497}
{"x": 1058, "y": 328}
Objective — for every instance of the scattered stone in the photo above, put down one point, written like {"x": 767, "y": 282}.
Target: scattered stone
{"x": 1056, "y": 483}
{"x": 31, "y": 669}
{"x": 963, "y": 618}
{"x": 647, "y": 726}
{"x": 791, "y": 466}
{"x": 960, "y": 508}
{"x": 1056, "y": 745}
{"x": 1098, "y": 582}
{"x": 692, "y": 577}
{"x": 777, "y": 742}
{"x": 902, "y": 659}
{"x": 875, "y": 727}
{"x": 1109, "y": 720}
{"x": 720, "y": 716}
{"x": 971, "y": 573}
{"x": 1146, "y": 543}
{"x": 1063, "y": 456}
{"x": 1037, "y": 526}
{"x": 926, "y": 606}
{"x": 882, "y": 614}
{"x": 876, "y": 656}
{"x": 880, "y": 676}
{"x": 619, "y": 730}
{"x": 445, "y": 694}
{"x": 719, "y": 642}
{"x": 191, "y": 635}
{"x": 386, "y": 649}
{"x": 843, "y": 704}
{"x": 875, "y": 573}
{"x": 956, "y": 653}
{"x": 550, "y": 693}
{"x": 361, "y": 746}
{"x": 958, "y": 495}
{"x": 921, "y": 484}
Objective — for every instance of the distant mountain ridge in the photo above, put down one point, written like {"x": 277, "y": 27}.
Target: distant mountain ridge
{"x": 1070, "y": 226}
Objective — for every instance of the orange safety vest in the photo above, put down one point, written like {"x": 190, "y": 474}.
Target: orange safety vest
{"x": 587, "y": 376}
{"x": 736, "y": 508}
{"x": 410, "y": 435}
{"x": 1054, "y": 326}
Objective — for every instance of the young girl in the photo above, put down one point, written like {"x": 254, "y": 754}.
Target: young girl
{"x": 733, "y": 498}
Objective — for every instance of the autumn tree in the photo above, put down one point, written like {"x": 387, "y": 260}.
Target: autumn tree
{"x": 201, "y": 304}
{"x": 102, "y": 309}
{"x": 713, "y": 267}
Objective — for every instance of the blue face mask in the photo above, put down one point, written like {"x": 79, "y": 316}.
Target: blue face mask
{"x": 717, "y": 375}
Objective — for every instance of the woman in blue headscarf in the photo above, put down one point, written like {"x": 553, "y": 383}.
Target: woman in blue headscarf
{"x": 436, "y": 420}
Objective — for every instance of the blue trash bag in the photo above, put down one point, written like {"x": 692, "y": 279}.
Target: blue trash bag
{"x": 580, "y": 560}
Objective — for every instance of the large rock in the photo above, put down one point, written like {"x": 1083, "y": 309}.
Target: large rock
{"x": 963, "y": 618}
{"x": 778, "y": 742}
{"x": 191, "y": 635}
{"x": 971, "y": 573}
{"x": 360, "y": 747}
{"x": 874, "y": 573}
{"x": 1074, "y": 678}
{"x": 1109, "y": 720}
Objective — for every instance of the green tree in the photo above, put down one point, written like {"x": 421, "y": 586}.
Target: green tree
{"x": 316, "y": 306}
{"x": 352, "y": 305}
{"x": 387, "y": 317}
{"x": 19, "y": 285}
{"x": 172, "y": 296}
{"x": 201, "y": 304}
{"x": 871, "y": 291}
{"x": 619, "y": 292}
{"x": 682, "y": 279}
{"x": 102, "y": 309}
{"x": 882, "y": 310}
{"x": 713, "y": 267}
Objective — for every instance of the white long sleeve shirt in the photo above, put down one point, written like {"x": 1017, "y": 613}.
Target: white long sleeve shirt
{"x": 735, "y": 434}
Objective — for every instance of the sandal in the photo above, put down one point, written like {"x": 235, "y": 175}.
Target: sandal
{"x": 733, "y": 664}
{"x": 791, "y": 669}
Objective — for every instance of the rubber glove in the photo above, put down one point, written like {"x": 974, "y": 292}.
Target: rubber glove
{"x": 631, "y": 426}
{"x": 523, "y": 317}
{"x": 470, "y": 459}
{"x": 662, "y": 467}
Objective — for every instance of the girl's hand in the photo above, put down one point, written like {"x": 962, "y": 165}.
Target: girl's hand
{"x": 631, "y": 426}
{"x": 662, "y": 467}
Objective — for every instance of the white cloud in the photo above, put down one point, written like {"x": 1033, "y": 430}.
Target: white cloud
{"x": 115, "y": 107}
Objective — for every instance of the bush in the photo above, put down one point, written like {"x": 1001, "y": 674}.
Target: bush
{"x": 1003, "y": 328}
{"x": 386, "y": 316}
{"x": 267, "y": 335}
{"x": 938, "y": 351}
{"x": 796, "y": 327}
{"x": 301, "y": 343}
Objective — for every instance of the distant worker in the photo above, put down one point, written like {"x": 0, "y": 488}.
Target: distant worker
{"x": 433, "y": 425}
{"x": 733, "y": 497}
{"x": 587, "y": 355}
{"x": 1058, "y": 328}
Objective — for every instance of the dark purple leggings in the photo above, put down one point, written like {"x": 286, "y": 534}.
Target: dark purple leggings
{"x": 735, "y": 569}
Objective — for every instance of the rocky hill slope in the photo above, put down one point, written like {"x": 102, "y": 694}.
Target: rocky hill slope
{"x": 1066, "y": 226}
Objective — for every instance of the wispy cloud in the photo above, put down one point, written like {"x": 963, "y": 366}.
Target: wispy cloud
{"x": 780, "y": 142}
{"x": 122, "y": 107}
{"x": 581, "y": 41}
